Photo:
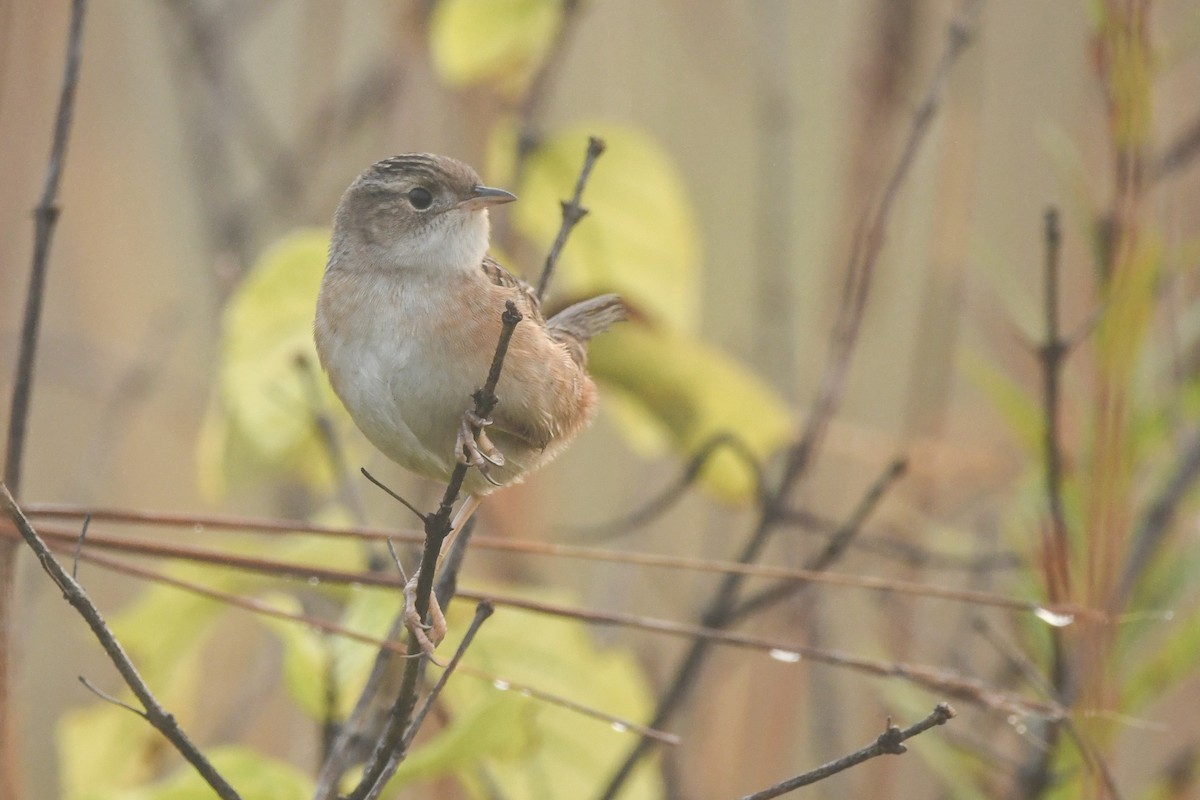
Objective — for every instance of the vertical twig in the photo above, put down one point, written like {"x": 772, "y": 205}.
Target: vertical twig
{"x": 1035, "y": 777}
{"x": 45, "y": 217}
{"x": 572, "y": 212}
{"x": 1052, "y": 353}
{"x": 437, "y": 527}
{"x": 535, "y": 97}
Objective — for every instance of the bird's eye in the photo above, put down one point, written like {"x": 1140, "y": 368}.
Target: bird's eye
{"x": 420, "y": 198}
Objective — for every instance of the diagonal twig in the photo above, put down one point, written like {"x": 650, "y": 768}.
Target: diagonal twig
{"x": 154, "y": 713}
{"x": 784, "y": 589}
{"x": 482, "y": 611}
{"x": 888, "y": 742}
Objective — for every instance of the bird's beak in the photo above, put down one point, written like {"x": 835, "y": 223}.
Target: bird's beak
{"x": 484, "y": 196}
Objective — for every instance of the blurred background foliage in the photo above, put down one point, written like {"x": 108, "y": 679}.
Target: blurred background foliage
{"x": 745, "y": 143}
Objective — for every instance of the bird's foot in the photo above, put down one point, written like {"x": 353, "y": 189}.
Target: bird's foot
{"x": 427, "y": 636}
{"x": 474, "y": 448}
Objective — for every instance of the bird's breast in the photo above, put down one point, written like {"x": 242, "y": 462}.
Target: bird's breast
{"x": 402, "y": 360}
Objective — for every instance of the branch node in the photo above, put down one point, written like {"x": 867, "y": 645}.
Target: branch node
{"x": 891, "y": 741}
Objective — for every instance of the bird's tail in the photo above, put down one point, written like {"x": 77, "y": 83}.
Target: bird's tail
{"x": 575, "y": 325}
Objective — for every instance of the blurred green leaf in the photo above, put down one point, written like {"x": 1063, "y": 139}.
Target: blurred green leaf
{"x": 574, "y": 754}
{"x": 270, "y": 384}
{"x": 498, "y": 41}
{"x": 502, "y": 728}
{"x": 307, "y": 651}
{"x": 640, "y": 238}
{"x": 524, "y": 744}
{"x": 105, "y": 751}
{"x": 306, "y": 656}
{"x": 694, "y": 393}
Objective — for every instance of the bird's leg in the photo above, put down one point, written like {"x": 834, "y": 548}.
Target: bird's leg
{"x": 473, "y": 446}
{"x": 468, "y": 508}
{"x": 430, "y": 636}
{"x": 427, "y": 636}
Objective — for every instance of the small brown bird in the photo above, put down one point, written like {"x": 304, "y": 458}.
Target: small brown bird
{"x": 408, "y": 319}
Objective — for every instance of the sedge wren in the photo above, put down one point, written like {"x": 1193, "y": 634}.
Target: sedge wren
{"x": 408, "y": 319}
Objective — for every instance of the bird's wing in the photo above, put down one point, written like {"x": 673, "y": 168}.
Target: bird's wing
{"x": 575, "y": 325}
{"x": 526, "y": 297}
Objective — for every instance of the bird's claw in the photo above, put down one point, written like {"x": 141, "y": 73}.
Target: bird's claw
{"x": 427, "y": 636}
{"x": 474, "y": 448}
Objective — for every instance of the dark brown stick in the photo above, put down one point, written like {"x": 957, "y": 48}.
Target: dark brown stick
{"x": 45, "y": 217}
{"x": 1052, "y": 353}
{"x": 482, "y": 611}
{"x": 437, "y": 528}
{"x": 572, "y": 212}
{"x": 832, "y": 551}
{"x": 73, "y": 593}
{"x": 888, "y": 742}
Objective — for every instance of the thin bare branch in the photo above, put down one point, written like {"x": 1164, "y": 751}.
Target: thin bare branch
{"x": 692, "y": 471}
{"x": 1052, "y": 353}
{"x": 395, "y": 496}
{"x": 437, "y": 528}
{"x": 534, "y": 101}
{"x": 1156, "y": 521}
{"x": 1182, "y": 151}
{"x": 942, "y": 681}
{"x": 828, "y": 554}
{"x": 306, "y": 572}
{"x": 79, "y": 546}
{"x": 890, "y": 742}
{"x": 45, "y": 218}
{"x": 388, "y": 644}
{"x": 482, "y": 611}
{"x": 885, "y": 546}
{"x": 572, "y": 212}
{"x": 74, "y": 594}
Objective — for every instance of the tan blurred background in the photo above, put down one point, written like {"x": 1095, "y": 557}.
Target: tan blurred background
{"x": 783, "y": 116}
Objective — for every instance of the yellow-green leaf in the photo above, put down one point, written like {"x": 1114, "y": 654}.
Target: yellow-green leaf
{"x": 308, "y": 652}
{"x": 500, "y": 728}
{"x": 640, "y": 238}
{"x": 105, "y": 750}
{"x": 251, "y": 773}
{"x": 499, "y": 41}
{"x": 548, "y": 744}
{"x": 270, "y": 386}
{"x": 695, "y": 393}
